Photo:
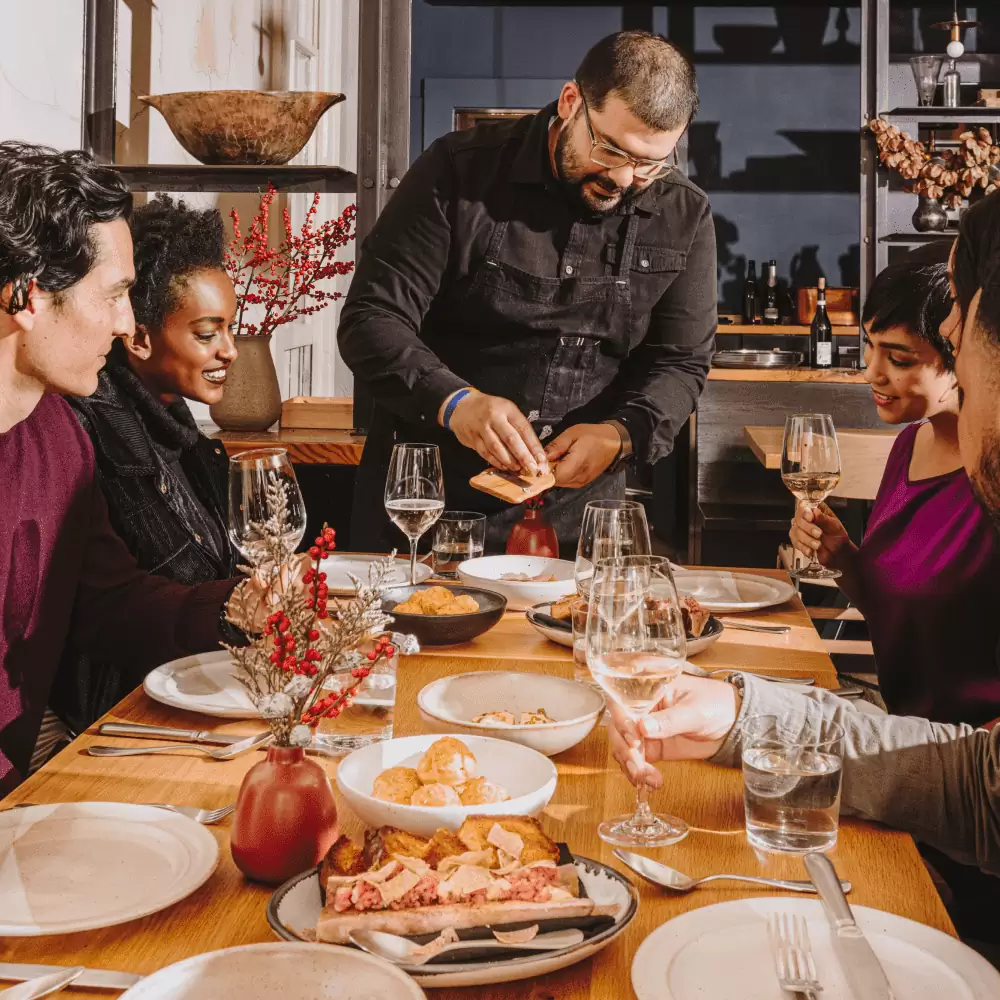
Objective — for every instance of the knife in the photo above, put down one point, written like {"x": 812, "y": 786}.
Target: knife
{"x": 99, "y": 979}
{"x": 157, "y": 732}
{"x": 44, "y": 986}
{"x": 858, "y": 962}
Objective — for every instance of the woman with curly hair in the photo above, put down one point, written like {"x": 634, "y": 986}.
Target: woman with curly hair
{"x": 164, "y": 481}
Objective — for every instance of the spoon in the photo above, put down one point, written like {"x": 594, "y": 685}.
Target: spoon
{"x": 401, "y": 950}
{"x": 221, "y": 753}
{"x": 675, "y": 881}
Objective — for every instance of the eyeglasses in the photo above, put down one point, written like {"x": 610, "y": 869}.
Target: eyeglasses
{"x": 611, "y": 157}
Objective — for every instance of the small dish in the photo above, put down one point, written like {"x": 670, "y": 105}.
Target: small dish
{"x": 449, "y": 704}
{"x": 488, "y": 573}
{"x": 528, "y": 776}
{"x": 446, "y": 630}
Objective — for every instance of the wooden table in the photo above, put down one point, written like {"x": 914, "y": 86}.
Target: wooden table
{"x": 883, "y": 865}
{"x": 863, "y": 454}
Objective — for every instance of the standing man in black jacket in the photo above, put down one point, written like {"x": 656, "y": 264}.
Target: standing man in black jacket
{"x": 551, "y": 280}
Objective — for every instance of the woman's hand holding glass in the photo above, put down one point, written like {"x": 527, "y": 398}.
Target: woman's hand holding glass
{"x": 818, "y": 532}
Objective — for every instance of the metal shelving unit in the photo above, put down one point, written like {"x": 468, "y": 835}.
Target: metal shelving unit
{"x": 293, "y": 179}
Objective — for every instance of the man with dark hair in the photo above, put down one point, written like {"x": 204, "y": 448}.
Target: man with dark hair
{"x": 65, "y": 272}
{"x": 547, "y": 280}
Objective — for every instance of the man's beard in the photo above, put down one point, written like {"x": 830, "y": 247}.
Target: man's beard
{"x": 986, "y": 479}
{"x": 573, "y": 176}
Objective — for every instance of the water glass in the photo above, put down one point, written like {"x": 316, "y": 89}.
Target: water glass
{"x": 458, "y": 536}
{"x": 792, "y": 767}
{"x": 926, "y": 70}
{"x": 610, "y": 528}
{"x": 370, "y": 716}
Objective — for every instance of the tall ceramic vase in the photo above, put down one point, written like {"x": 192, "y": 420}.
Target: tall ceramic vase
{"x": 252, "y": 399}
{"x": 285, "y": 819}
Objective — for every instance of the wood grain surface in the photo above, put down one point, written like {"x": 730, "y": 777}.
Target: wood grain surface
{"x": 307, "y": 446}
{"x": 883, "y": 865}
{"x": 846, "y": 376}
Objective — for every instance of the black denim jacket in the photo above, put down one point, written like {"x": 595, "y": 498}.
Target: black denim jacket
{"x": 165, "y": 484}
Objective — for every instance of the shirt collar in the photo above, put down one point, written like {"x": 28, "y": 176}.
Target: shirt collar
{"x": 531, "y": 164}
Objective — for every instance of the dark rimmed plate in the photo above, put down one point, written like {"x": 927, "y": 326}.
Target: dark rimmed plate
{"x": 294, "y": 909}
{"x": 445, "y": 630}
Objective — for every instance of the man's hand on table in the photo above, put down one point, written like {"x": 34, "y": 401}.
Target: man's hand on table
{"x": 583, "y": 452}
{"x": 496, "y": 429}
{"x": 690, "y": 723}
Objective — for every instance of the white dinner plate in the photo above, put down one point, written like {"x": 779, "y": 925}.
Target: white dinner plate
{"x": 720, "y": 590}
{"x": 680, "y": 959}
{"x": 207, "y": 683}
{"x": 266, "y": 971}
{"x": 340, "y": 567}
{"x": 80, "y": 865}
{"x": 295, "y": 907}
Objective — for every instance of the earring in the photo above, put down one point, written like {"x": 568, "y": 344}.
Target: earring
{"x": 18, "y": 294}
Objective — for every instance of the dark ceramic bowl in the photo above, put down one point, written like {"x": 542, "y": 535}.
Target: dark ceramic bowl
{"x": 445, "y": 630}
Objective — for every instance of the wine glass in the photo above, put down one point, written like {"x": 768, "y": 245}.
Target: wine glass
{"x": 414, "y": 493}
{"x": 251, "y": 475}
{"x": 610, "y": 528}
{"x": 636, "y": 645}
{"x": 810, "y": 468}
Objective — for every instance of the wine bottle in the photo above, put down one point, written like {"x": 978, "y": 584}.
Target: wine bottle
{"x": 771, "y": 313}
{"x": 750, "y": 294}
{"x": 821, "y": 332}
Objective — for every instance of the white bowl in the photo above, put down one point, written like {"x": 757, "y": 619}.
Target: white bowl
{"x": 528, "y": 776}
{"x": 448, "y": 705}
{"x": 487, "y": 571}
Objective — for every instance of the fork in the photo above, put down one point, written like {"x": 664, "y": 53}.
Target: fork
{"x": 217, "y": 753}
{"x": 205, "y": 816}
{"x": 793, "y": 958}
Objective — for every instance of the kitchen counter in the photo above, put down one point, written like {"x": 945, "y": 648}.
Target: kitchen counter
{"x": 843, "y": 376}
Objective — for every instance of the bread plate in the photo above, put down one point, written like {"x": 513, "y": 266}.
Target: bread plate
{"x": 294, "y": 910}
{"x": 528, "y": 776}
{"x": 449, "y": 704}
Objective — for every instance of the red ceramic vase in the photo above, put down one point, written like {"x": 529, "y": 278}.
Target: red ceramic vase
{"x": 285, "y": 819}
{"x": 533, "y": 536}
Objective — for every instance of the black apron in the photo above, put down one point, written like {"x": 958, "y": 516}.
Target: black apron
{"x": 506, "y": 332}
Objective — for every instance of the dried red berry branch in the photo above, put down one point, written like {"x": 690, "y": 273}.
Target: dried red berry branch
{"x": 286, "y": 280}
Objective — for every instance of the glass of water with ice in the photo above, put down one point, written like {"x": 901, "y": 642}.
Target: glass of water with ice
{"x": 792, "y": 768}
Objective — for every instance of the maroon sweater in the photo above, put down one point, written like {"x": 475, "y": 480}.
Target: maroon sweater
{"x": 66, "y": 576}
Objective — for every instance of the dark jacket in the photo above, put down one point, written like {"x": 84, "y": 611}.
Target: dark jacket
{"x": 165, "y": 485}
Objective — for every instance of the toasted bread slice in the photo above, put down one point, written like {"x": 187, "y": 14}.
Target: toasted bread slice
{"x": 562, "y": 610}
{"x": 344, "y": 858}
{"x": 444, "y": 844}
{"x": 537, "y": 846}
{"x": 396, "y": 841}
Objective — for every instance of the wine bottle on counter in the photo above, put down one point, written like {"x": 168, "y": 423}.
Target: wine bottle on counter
{"x": 750, "y": 294}
{"x": 771, "y": 312}
{"x": 821, "y": 332}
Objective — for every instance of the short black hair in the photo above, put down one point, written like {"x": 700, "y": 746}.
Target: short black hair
{"x": 914, "y": 293}
{"x": 49, "y": 201}
{"x": 651, "y": 75}
{"x": 977, "y": 263}
{"x": 171, "y": 242}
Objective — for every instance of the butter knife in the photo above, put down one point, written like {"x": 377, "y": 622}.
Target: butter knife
{"x": 43, "y": 986}
{"x": 159, "y": 732}
{"x": 98, "y": 979}
{"x": 858, "y": 962}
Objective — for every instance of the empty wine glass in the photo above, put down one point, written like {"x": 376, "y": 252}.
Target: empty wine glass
{"x": 610, "y": 528}
{"x": 260, "y": 481}
{"x": 414, "y": 493}
{"x": 636, "y": 646}
{"x": 810, "y": 469}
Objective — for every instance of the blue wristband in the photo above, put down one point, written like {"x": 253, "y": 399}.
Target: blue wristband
{"x": 450, "y": 408}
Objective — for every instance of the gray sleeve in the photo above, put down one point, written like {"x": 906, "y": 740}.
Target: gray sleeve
{"x": 939, "y": 783}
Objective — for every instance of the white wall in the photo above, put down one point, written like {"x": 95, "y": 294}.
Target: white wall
{"x": 41, "y": 71}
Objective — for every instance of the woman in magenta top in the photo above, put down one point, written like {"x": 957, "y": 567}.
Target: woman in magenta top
{"x": 927, "y": 575}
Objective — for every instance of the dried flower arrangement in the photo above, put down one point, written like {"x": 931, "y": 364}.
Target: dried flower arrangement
{"x": 305, "y": 641}
{"x": 950, "y": 176}
{"x": 284, "y": 280}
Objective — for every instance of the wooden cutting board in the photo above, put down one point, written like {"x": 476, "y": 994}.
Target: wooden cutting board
{"x": 512, "y": 486}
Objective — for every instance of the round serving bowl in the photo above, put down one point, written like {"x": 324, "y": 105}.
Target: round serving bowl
{"x": 488, "y": 572}
{"x": 528, "y": 776}
{"x": 445, "y": 630}
{"x": 243, "y": 126}
{"x": 449, "y": 704}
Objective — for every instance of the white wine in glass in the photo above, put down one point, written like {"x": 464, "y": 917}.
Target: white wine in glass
{"x": 636, "y": 648}
{"x": 414, "y": 493}
{"x": 810, "y": 469}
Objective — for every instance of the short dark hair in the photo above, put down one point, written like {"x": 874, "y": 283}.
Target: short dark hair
{"x": 171, "y": 242}
{"x": 651, "y": 75}
{"x": 977, "y": 263}
{"x": 48, "y": 203}
{"x": 914, "y": 293}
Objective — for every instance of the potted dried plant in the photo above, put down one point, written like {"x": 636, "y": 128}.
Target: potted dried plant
{"x": 285, "y": 818}
{"x": 276, "y": 285}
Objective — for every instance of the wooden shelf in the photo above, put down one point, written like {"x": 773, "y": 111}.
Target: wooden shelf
{"x": 942, "y": 116}
{"x": 778, "y": 330}
{"x": 198, "y": 177}
{"x": 915, "y": 238}
{"x": 844, "y": 376}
